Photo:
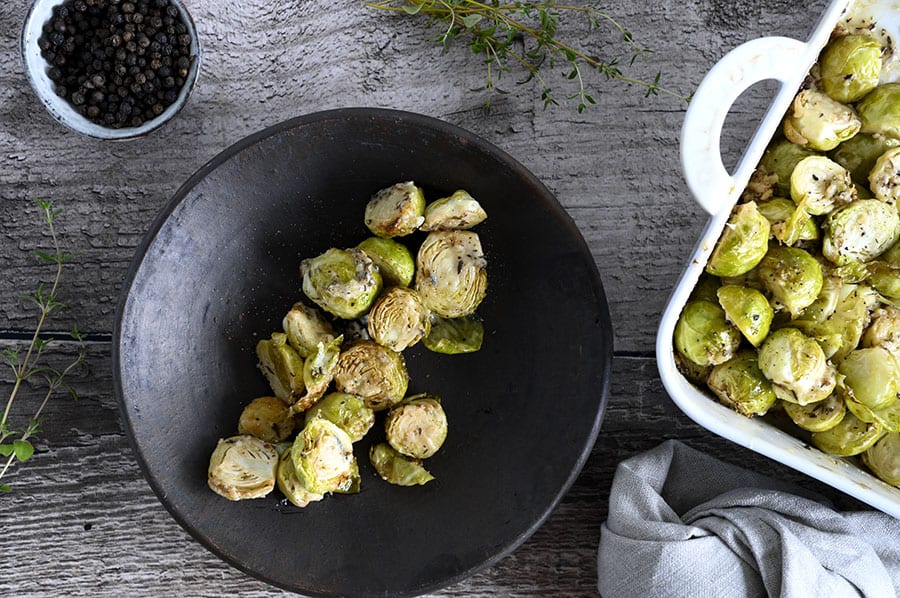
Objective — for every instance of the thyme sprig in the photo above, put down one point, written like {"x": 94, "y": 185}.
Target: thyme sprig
{"x": 493, "y": 28}
{"x": 15, "y": 445}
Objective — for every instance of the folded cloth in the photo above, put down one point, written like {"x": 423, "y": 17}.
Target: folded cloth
{"x": 682, "y": 523}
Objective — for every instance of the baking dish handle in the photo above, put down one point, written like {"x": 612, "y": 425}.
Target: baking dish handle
{"x": 757, "y": 60}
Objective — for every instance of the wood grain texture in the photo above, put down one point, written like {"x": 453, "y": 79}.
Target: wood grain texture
{"x": 82, "y": 520}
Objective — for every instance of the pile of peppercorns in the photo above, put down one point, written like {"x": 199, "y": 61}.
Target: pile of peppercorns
{"x": 119, "y": 63}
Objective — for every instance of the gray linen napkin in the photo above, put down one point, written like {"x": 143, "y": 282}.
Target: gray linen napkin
{"x": 682, "y": 523}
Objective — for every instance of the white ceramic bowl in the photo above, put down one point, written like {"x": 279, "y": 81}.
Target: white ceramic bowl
{"x": 787, "y": 61}
{"x": 36, "y": 71}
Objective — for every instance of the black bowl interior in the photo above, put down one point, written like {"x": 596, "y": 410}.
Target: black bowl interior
{"x": 220, "y": 267}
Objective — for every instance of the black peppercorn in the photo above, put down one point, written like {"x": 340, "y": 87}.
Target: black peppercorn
{"x": 118, "y": 62}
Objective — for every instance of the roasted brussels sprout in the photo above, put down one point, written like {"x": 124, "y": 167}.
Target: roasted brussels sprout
{"x": 780, "y": 159}
{"x": 396, "y": 211}
{"x": 884, "y": 330}
{"x": 741, "y": 385}
{"x": 396, "y": 468}
{"x": 323, "y": 457}
{"x": 450, "y": 274}
{"x": 792, "y": 275}
{"x": 850, "y": 67}
{"x": 305, "y": 328}
{"x": 704, "y": 336}
{"x": 859, "y": 231}
{"x": 242, "y": 467}
{"x": 797, "y": 367}
{"x": 884, "y": 178}
{"x": 872, "y": 376}
{"x": 282, "y": 367}
{"x": 817, "y": 121}
{"x": 373, "y": 372}
{"x": 880, "y": 111}
{"x": 318, "y": 372}
{"x": 743, "y": 242}
{"x": 453, "y": 336}
{"x": 399, "y": 319}
{"x": 819, "y": 416}
{"x": 417, "y": 427}
{"x": 850, "y": 437}
{"x": 887, "y": 417}
{"x": 883, "y": 458}
{"x": 290, "y": 485}
{"x": 267, "y": 418}
{"x": 395, "y": 263}
{"x": 343, "y": 282}
{"x": 818, "y": 185}
{"x": 460, "y": 211}
{"x": 748, "y": 309}
{"x": 885, "y": 279}
{"x": 858, "y": 155}
{"x": 789, "y": 222}
{"x": 348, "y": 412}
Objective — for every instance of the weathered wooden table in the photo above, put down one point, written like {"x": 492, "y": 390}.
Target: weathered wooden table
{"x": 81, "y": 518}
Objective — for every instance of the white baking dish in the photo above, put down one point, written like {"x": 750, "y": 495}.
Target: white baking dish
{"x": 787, "y": 61}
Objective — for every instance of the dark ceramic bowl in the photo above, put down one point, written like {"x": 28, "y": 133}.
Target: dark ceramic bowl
{"x": 218, "y": 270}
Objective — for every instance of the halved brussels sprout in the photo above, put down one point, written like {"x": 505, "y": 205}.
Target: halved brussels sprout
{"x": 305, "y": 328}
{"x": 860, "y": 231}
{"x": 748, "y": 309}
{"x": 318, "y": 372}
{"x": 450, "y": 272}
{"x": 851, "y": 436}
{"x": 394, "y": 261}
{"x": 826, "y": 302}
{"x": 290, "y": 485}
{"x": 818, "y": 185}
{"x": 353, "y": 482}
{"x": 780, "y": 159}
{"x": 343, "y": 282}
{"x": 373, "y": 372}
{"x": 819, "y": 416}
{"x": 884, "y": 178}
{"x": 858, "y": 155}
{"x": 887, "y": 417}
{"x": 839, "y": 332}
{"x": 399, "y": 319}
{"x": 396, "y": 211}
{"x": 417, "y": 427}
{"x": 267, "y": 418}
{"x": 242, "y": 467}
{"x": 872, "y": 376}
{"x": 850, "y": 67}
{"x": 883, "y": 458}
{"x": 885, "y": 279}
{"x": 817, "y": 121}
{"x": 792, "y": 275}
{"x": 396, "y": 468}
{"x": 743, "y": 242}
{"x": 741, "y": 385}
{"x": 884, "y": 331}
{"x": 880, "y": 111}
{"x": 453, "y": 336}
{"x": 460, "y": 211}
{"x": 789, "y": 222}
{"x": 349, "y": 412}
{"x": 704, "y": 336}
{"x": 797, "y": 367}
{"x": 323, "y": 456}
{"x": 282, "y": 367}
